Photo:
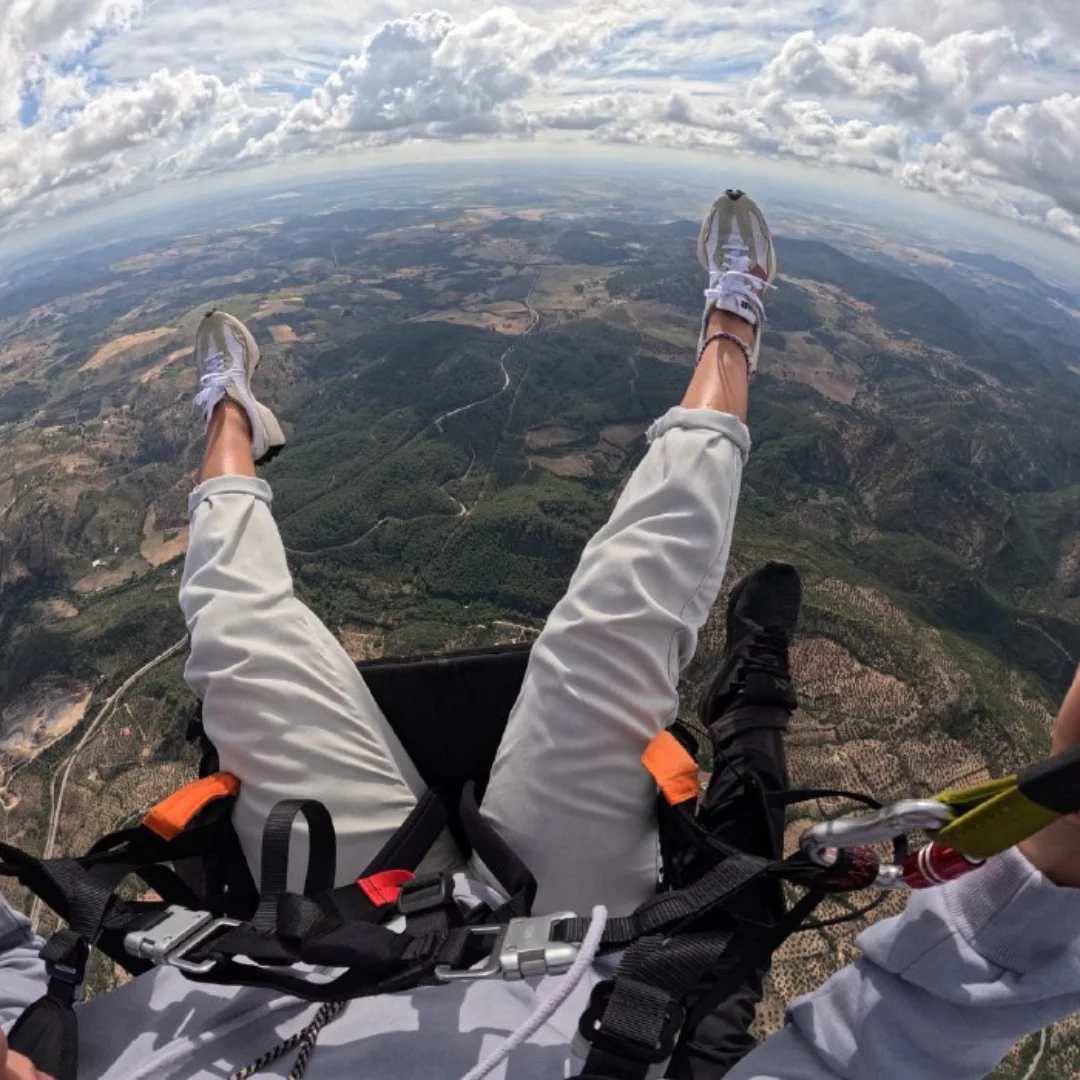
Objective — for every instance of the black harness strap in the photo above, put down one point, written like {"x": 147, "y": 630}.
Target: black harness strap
{"x": 690, "y": 950}
{"x": 515, "y": 878}
{"x": 378, "y": 962}
{"x": 48, "y": 1031}
{"x": 323, "y": 926}
{"x": 169, "y": 885}
{"x": 405, "y": 850}
{"x": 82, "y": 892}
{"x": 671, "y": 912}
{"x": 276, "y": 841}
{"x": 679, "y": 961}
{"x": 338, "y": 927}
{"x": 634, "y": 1021}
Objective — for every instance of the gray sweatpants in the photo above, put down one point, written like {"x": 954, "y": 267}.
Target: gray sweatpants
{"x": 292, "y": 718}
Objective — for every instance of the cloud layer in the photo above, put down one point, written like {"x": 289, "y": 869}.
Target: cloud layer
{"x": 976, "y": 99}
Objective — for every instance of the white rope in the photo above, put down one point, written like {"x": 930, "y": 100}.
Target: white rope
{"x": 180, "y": 1051}
{"x": 570, "y": 982}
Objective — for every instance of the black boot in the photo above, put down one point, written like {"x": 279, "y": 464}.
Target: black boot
{"x": 746, "y": 711}
{"x": 748, "y": 706}
{"x": 762, "y": 615}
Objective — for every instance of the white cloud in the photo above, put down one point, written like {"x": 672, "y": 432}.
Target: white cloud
{"x": 971, "y": 98}
{"x": 1021, "y": 161}
{"x": 1042, "y": 21}
{"x": 586, "y": 115}
{"x": 898, "y": 71}
{"x": 34, "y": 34}
{"x": 773, "y": 128}
{"x": 90, "y": 148}
{"x": 58, "y": 27}
{"x": 1035, "y": 145}
{"x": 423, "y": 76}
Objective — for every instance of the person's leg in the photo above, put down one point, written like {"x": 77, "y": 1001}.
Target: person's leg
{"x": 568, "y": 791}
{"x": 746, "y": 711}
{"x": 749, "y": 703}
{"x": 750, "y": 749}
{"x": 282, "y": 702}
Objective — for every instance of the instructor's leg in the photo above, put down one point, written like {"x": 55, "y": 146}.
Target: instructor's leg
{"x": 568, "y": 790}
{"x": 282, "y": 702}
{"x": 746, "y": 711}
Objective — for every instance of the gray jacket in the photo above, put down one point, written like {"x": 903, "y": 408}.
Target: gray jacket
{"x": 942, "y": 991}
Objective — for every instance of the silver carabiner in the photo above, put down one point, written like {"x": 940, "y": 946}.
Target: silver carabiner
{"x": 875, "y": 827}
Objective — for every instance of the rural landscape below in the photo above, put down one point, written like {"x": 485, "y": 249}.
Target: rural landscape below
{"x": 466, "y": 371}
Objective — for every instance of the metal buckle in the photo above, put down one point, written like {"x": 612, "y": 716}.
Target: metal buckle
{"x": 521, "y": 949}
{"x": 179, "y": 932}
{"x": 488, "y": 969}
{"x": 820, "y": 841}
{"x": 527, "y": 948}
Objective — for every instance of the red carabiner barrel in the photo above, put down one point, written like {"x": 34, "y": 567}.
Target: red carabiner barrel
{"x": 934, "y": 864}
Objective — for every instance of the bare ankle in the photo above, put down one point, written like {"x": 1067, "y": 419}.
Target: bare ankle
{"x": 729, "y": 323}
{"x": 228, "y": 442}
{"x": 230, "y": 414}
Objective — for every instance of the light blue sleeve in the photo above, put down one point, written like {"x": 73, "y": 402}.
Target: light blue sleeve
{"x": 944, "y": 990}
{"x": 22, "y": 971}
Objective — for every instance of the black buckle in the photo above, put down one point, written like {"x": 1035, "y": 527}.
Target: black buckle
{"x": 426, "y": 894}
{"x": 66, "y": 955}
{"x": 69, "y": 974}
{"x": 591, "y": 1031}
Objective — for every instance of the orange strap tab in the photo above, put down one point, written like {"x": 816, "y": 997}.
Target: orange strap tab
{"x": 170, "y": 817}
{"x": 672, "y": 767}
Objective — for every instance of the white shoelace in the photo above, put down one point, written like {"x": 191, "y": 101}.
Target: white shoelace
{"x": 215, "y": 380}
{"x": 566, "y": 986}
{"x": 733, "y": 278}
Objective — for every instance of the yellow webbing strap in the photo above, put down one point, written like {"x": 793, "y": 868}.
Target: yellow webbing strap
{"x": 992, "y": 818}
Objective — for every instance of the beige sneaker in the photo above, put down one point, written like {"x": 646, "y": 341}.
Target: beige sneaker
{"x": 736, "y": 248}
{"x": 227, "y": 357}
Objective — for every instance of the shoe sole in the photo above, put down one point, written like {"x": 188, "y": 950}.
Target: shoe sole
{"x": 275, "y": 437}
{"x": 722, "y": 674}
{"x": 733, "y": 601}
{"x": 740, "y": 587}
{"x": 747, "y": 213}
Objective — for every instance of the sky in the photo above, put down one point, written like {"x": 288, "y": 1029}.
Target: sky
{"x": 974, "y": 100}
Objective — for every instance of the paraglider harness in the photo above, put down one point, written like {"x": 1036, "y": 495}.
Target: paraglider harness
{"x": 679, "y": 961}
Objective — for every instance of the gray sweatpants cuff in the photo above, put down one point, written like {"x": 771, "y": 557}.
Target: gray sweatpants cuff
{"x": 704, "y": 420}
{"x": 229, "y": 485}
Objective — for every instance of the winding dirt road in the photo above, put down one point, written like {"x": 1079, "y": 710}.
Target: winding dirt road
{"x": 462, "y": 510}
{"x": 56, "y": 797}
{"x": 437, "y": 423}
{"x": 1038, "y": 1056}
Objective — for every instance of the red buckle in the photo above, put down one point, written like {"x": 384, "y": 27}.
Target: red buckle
{"x": 384, "y": 888}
